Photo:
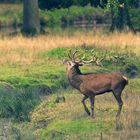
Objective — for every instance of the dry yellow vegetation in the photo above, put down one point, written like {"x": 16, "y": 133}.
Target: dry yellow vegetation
{"x": 53, "y": 41}
{"x": 20, "y": 48}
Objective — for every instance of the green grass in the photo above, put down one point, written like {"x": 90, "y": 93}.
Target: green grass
{"x": 66, "y": 120}
{"x": 16, "y": 131}
{"x": 62, "y": 122}
{"x": 48, "y": 75}
{"x": 74, "y": 127}
{"x": 17, "y": 104}
{"x": 58, "y": 53}
{"x": 34, "y": 76}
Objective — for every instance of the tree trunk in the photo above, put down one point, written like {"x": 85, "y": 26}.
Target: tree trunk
{"x": 31, "y": 22}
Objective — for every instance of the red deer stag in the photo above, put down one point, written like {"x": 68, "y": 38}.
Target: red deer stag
{"x": 91, "y": 85}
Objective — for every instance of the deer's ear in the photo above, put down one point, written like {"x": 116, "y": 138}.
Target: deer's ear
{"x": 65, "y": 61}
{"x": 79, "y": 64}
{"x": 71, "y": 63}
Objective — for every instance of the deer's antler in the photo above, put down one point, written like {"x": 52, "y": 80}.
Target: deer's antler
{"x": 73, "y": 58}
{"x": 93, "y": 60}
{"x": 72, "y": 55}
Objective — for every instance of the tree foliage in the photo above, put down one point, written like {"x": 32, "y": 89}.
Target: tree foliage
{"x": 120, "y": 15}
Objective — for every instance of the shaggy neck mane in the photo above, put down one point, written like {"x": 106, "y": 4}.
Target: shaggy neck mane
{"x": 75, "y": 70}
{"x": 74, "y": 77}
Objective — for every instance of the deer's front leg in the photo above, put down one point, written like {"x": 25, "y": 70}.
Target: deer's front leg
{"x": 85, "y": 107}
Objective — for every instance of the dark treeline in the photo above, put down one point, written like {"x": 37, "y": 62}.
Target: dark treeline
{"x": 51, "y": 4}
{"x": 11, "y": 1}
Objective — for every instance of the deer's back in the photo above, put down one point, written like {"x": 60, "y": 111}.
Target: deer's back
{"x": 100, "y": 83}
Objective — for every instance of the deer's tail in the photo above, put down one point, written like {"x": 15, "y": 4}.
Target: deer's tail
{"x": 126, "y": 79}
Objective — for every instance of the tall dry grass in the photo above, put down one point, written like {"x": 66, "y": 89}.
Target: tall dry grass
{"x": 24, "y": 49}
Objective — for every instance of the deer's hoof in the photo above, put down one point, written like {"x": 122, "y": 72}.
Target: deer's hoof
{"x": 93, "y": 116}
{"x": 88, "y": 112}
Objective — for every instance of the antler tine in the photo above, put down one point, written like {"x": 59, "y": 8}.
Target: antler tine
{"x": 98, "y": 62}
{"x": 74, "y": 55}
{"x": 89, "y": 61}
{"x": 70, "y": 54}
{"x": 93, "y": 60}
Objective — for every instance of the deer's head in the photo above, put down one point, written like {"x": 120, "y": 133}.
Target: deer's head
{"x": 72, "y": 62}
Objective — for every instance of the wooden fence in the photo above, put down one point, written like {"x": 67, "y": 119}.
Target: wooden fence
{"x": 87, "y": 21}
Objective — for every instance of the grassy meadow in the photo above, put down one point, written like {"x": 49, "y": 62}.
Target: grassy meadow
{"x": 32, "y": 76}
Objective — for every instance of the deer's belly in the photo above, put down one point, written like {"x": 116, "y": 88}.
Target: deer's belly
{"x": 96, "y": 89}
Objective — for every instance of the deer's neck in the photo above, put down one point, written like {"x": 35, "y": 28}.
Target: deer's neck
{"x": 74, "y": 77}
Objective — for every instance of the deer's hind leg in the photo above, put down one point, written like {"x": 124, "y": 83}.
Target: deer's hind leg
{"x": 117, "y": 96}
{"x": 92, "y": 100}
{"x": 85, "y": 107}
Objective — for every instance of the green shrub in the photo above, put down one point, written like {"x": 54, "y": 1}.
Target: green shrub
{"x": 11, "y": 14}
{"x": 135, "y": 18}
{"x": 112, "y": 59}
{"x": 125, "y": 61}
{"x": 53, "y": 17}
{"x": 131, "y": 70}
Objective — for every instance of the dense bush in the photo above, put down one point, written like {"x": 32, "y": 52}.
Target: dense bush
{"x": 17, "y": 104}
{"x": 134, "y": 13}
{"x": 125, "y": 61}
{"x": 134, "y": 3}
{"x": 54, "y": 17}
